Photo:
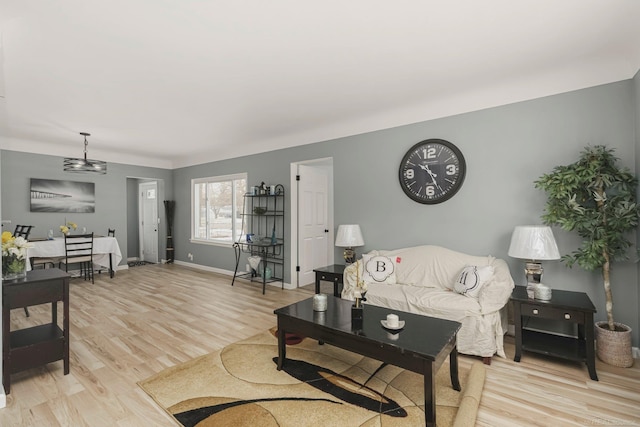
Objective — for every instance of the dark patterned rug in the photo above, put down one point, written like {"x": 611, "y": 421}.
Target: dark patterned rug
{"x": 319, "y": 385}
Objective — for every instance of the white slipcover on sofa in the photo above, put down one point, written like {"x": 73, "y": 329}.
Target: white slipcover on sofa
{"x": 422, "y": 281}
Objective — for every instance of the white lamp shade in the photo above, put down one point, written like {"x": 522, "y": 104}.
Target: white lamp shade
{"x": 533, "y": 242}
{"x": 349, "y": 236}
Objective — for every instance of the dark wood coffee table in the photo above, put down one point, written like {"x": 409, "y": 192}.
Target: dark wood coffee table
{"x": 421, "y": 346}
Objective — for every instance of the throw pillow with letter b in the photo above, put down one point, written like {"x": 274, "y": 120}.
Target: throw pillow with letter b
{"x": 471, "y": 280}
{"x": 378, "y": 269}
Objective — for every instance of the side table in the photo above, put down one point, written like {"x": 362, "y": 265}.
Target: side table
{"x": 564, "y": 306}
{"x": 331, "y": 273}
{"x": 31, "y": 347}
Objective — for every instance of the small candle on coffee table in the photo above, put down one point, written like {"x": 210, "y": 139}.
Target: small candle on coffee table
{"x": 392, "y": 320}
{"x": 319, "y": 302}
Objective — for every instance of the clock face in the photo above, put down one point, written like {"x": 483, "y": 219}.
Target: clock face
{"x": 432, "y": 171}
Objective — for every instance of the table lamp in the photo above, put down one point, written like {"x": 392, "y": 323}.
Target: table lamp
{"x": 533, "y": 243}
{"x": 348, "y": 236}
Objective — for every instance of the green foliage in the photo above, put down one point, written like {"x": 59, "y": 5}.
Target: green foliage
{"x": 596, "y": 199}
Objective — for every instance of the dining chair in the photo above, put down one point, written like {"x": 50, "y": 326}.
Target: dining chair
{"x": 78, "y": 249}
{"x": 111, "y": 232}
{"x": 23, "y": 231}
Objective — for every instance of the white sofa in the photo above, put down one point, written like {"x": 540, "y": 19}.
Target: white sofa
{"x": 425, "y": 277}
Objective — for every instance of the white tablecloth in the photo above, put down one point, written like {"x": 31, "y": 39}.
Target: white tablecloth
{"x": 102, "y": 248}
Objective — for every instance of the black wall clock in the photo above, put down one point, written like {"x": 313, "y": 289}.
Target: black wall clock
{"x": 432, "y": 171}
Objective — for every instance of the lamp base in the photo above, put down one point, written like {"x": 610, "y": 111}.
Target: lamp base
{"x": 533, "y": 271}
{"x": 349, "y": 255}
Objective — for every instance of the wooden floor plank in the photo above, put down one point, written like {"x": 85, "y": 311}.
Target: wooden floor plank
{"x": 151, "y": 317}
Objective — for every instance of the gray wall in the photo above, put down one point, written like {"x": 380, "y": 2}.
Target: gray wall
{"x": 111, "y": 195}
{"x": 506, "y": 148}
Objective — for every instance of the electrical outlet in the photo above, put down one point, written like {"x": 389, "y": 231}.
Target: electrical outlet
{"x": 248, "y": 268}
{"x": 190, "y": 256}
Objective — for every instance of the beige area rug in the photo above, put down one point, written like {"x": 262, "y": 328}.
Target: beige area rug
{"x": 320, "y": 385}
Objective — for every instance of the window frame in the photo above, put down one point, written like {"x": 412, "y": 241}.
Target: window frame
{"x": 235, "y": 234}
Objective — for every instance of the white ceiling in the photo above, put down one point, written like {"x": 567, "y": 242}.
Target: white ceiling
{"x": 172, "y": 83}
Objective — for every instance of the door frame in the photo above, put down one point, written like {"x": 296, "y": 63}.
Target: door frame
{"x": 326, "y": 164}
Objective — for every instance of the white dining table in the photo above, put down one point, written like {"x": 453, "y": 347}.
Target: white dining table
{"x": 106, "y": 251}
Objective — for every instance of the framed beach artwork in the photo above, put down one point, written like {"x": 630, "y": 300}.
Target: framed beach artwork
{"x": 50, "y": 195}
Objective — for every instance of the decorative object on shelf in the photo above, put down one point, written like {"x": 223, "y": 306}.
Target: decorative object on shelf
{"x": 596, "y": 198}
{"x": 254, "y": 262}
{"x": 319, "y": 302}
{"x": 262, "y": 189}
{"x": 432, "y": 171}
{"x": 14, "y": 256}
{"x": 84, "y": 165}
{"x": 259, "y": 210}
{"x": 67, "y": 227}
{"x": 542, "y": 292}
{"x": 533, "y": 243}
{"x": 348, "y": 236}
{"x": 169, "y": 210}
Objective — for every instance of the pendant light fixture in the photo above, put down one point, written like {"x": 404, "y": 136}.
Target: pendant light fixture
{"x": 85, "y": 165}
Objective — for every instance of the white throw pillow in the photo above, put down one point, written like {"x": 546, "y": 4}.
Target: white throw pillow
{"x": 378, "y": 269}
{"x": 471, "y": 280}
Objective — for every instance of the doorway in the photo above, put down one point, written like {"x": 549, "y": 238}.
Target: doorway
{"x": 148, "y": 217}
{"x": 311, "y": 219}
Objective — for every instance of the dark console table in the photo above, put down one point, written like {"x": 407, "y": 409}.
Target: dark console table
{"x": 564, "y": 306}
{"x": 35, "y": 346}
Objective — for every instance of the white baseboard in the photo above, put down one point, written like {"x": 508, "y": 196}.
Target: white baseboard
{"x": 636, "y": 352}
{"x": 226, "y": 272}
{"x": 3, "y": 398}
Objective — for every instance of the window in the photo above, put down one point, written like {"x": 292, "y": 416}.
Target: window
{"x": 217, "y": 208}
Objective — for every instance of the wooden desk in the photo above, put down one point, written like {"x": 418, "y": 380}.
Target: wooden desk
{"x": 38, "y": 345}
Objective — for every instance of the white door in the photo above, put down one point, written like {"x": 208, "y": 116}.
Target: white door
{"x": 313, "y": 237}
{"x": 149, "y": 221}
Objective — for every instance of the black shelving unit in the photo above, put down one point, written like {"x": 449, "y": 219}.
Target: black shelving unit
{"x": 263, "y": 219}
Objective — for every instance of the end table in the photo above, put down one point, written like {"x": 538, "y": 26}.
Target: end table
{"x": 331, "y": 273}
{"x": 564, "y": 306}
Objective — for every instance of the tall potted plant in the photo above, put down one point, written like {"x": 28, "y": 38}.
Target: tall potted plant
{"x": 597, "y": 199}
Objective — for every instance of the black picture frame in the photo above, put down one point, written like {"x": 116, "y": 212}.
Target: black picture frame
{"x": 52, "y": 195}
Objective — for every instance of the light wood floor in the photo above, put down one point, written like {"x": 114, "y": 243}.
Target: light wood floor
{"x": 151, "y": 317}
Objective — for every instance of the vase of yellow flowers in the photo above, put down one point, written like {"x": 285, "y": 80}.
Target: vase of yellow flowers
{"x": 14, "y": 256}
{"x": 67, "y": 227}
